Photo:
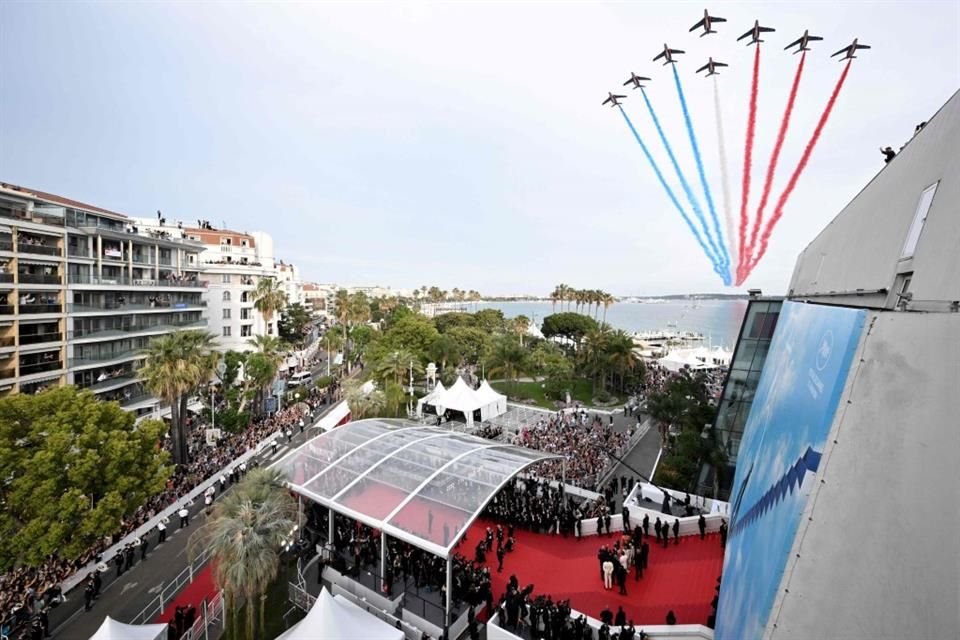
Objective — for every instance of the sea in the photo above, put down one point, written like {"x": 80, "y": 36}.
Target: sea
{"x": 718, "y": 320}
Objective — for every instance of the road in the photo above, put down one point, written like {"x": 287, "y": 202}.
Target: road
{"x": 123, "y": 598}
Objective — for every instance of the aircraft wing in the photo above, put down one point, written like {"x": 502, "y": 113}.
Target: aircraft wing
{"x": 616, "y": 97}
{"x": 745, "y": 35}
{"x": 699, "y": 24}
{"x": 629, "y": 81}
{"x": 844, "y": 50}
{"x": 706, "y": 66}
{"x": 720, "y": 64}
{"x": 794, "y": 43}
{"x": 863, "y": 46}
{"x": 715, "y": 19}
{"x": 659, "y": 55}
{"x": 676, "y": 51}
{"x": 814, "y": 38}
{"x": 766, "y": 29}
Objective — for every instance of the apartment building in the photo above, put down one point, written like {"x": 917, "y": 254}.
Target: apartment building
{"x": 82, "y": 291}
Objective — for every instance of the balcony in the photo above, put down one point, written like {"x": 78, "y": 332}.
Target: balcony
{"x": 38, "y": 249}
{"x": 79, "y": 334}
{"x": 124, "y": 281}
{"x": 6, "y": 343}
{"x": 6, "y": 374}
{"x": 6, "y": 278}
{"x": 6, "y": 309}
{"x": 40, "y": 308}
{"x": 6, "y": 245}
{"x": 79, "y": 252}
{"x": 111, "y": 383}
{"x": 94, "y": 359}
{"x": 136, "y": 306}
{"x": 40, "y": 338}
{"x": 40, "y": 367}
{"x": 35, "y": 278}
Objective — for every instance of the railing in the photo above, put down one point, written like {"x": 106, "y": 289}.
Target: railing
{"x": 6, "y": 245}
{"x": 38, "y": 249}
{"x": 79, "y": 252}
{"x": 136, "y": 282}
{"x": 41, "y": 308}
{"x": 83, "y": 361}
{"x": 6, "y": 309}
{"x": 140, "y": 397}
{"x": 37, "y": 216}
{"x": 33, "y": 278}
{"x": 170, "y": 590}
{"x": 166, "y": 326}
{"x": 135, "y": 306}
{"x": 40, "y": 367}
{"x": 6, "y": 277}
{"x": 38, "y": 338}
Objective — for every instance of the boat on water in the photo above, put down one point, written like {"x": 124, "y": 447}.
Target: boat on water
{"x": 658, "y": 343}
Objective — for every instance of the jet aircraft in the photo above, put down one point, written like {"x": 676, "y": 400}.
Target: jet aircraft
{"x": 613, "y": 99}
{"x": 849, "y": 50}
{"x": 755, "y": 32}
{"x": 711, "y": 67}
{"x": 667, "y": 55}
{"x": 635, "y": 80}
{"x": 706, "y": 22}
{"x": 803, "y": 41}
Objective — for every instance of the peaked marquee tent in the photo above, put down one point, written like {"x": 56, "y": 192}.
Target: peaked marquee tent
{"x": 113, "y": 630}
{"x": 437, "y": 391}
{"x": 460, "y": 397}
{"x": 335, "y": 618}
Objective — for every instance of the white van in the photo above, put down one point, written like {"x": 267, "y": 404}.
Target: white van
{"x": 301, "y": 379}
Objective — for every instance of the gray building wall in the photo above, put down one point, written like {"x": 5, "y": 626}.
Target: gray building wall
{"x": 861, "y": 248}
{"x": 877, "y": 553}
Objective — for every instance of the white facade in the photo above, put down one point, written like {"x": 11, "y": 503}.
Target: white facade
{"x": 288, "y": 275}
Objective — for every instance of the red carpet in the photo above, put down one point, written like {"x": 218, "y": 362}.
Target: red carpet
{"x": 194, "y": 593}
{"x": 680, "y": 577}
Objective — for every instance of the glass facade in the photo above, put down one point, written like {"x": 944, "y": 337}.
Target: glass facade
{"x": 759, "y": 324}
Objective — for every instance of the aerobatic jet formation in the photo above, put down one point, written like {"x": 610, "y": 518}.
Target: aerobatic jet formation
{"x": 755, "y": 32}
{"x": 707, "y": 22}
{"x": 849, "y": 50}
{"x": 636, "y": 81}
{"x": 613, "y": 99}
{"x": 711, "y": 67}
{"x": 667, "y": 55}
{"x": 803, "y": 41}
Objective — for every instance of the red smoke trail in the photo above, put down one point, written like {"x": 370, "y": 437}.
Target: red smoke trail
{"x": 747, "y": 162}
{"x": 778, "y": 211}
{"x": 772, "y": 167}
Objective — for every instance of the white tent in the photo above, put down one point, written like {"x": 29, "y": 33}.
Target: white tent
{"x": 459, "y": 397}
{"x": 495, "y": 404}
{"x": 437, "y": 390}
{"x": 334, "y": 618}
{"x": 113, "y": 630}
{"x": 677, "y": 360}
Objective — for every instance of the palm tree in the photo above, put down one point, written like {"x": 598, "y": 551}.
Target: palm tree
{"x": 520, "y": 325}
{"x": 507, "y": 358}
{"x": 562, "y": 291}
{"x": 620, "y": 354}
{"x": 272, "y": 347}
{"x": 343, "y": 311}
{"x": 269, "y": 299}
{"x": 395, "y": 367}
{"x": 247, "y": 532}
{"x": 592, "y": 352}
{"x": 607, "y": 300}
{"x": 363, "y": 404}
{"x": 175, "y": 365}
{"x": 445, "y": 349}
{"x": 554, "y": 296}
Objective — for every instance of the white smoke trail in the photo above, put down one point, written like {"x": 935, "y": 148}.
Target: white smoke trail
{"x": 724, "y": 175}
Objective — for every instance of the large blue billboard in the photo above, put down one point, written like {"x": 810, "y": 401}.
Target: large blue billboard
{"x": 794, "y": 406}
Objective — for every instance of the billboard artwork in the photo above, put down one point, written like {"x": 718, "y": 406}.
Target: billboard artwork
{"x": 794, "y": 406}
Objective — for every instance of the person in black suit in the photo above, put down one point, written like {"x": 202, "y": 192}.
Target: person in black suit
{"x": 676, "y": 531}
{"x": 702, "y": 525}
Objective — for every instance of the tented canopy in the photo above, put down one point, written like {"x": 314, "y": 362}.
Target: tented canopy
{"x": 494, "y": 404}
{"x": 422, "y": 485}
{"x": 113, "y": 630}
{"x": 459, "y": 397}
{"x": 437, "y": 390}
{"x": 677, "y": 360}
{"x": 334, "y": 618}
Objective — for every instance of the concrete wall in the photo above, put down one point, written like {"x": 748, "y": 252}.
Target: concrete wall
{"x": 861, "y": 247}
{"x": 877, "y": 554}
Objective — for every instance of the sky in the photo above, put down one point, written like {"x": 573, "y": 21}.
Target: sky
{"x": 457, "y": 144}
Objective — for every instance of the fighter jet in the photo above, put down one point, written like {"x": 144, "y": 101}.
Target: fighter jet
{"x": 613, "y": 99}
{"x": 635, "y": 80}
{"x": 848, "y": 51}
{"x": 667, "y": 55}
{"x": 706, "y": 22}
{"x": 755, "y": 32}
{"x": 711, "y": 67}
{"x": 803, "y": 41}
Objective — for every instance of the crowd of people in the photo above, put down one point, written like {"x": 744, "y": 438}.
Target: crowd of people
{"x": 27, "y": 593}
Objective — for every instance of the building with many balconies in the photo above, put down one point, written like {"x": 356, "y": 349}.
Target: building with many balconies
{"x": 82, "y": 291}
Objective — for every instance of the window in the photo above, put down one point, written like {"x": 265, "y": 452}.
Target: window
{"x": 916, "y": 227}
{"x": 225, "y": 278}
{"x": 226, "y": 314}
{"x": 246, "y": 331}
{"x": 226, "y": 296}
{"x": 226, "y": 332}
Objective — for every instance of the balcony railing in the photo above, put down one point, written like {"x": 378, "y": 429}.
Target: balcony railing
{"x": 6, "y": 277}
{"x": 94, "y": 358}
{"x": 134, "y": 399}
{"x": 39, "y": 249}
{"x": 40, "y": 338}
{"x": 7, "y": 374}
{"x": 169, "y": 326}
{"x": 41, "y": 308}
{"x": 37, "y": 215}
{"x": 40, "y": 367}
{"x": 6, "y": 245}
{"x": 34, "y": 278}
{"x": 8, "y": 342}
{"x": 115, "y": 382}
{"x": 6, "y": 309}
{"x": 135, "y": 282}
{"x": 79, "y": 252}
{"x": 136, "y": 306}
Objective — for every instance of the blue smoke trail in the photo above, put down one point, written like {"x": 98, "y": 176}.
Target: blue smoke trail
{"x": 694, "y": 204}
{"x": 666, "y": 187}
{"x": 725, "y": 258}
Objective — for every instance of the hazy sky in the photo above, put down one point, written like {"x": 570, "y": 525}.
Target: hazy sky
{"x": 455, "y": 144}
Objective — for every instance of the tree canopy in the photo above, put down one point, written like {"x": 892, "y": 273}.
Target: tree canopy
{"x": 294, "y": 324}
{"x": 75, "y": 467}
{"x": 572, "y": 326}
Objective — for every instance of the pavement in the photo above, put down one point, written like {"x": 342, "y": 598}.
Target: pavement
{"x": 124, "y": 597}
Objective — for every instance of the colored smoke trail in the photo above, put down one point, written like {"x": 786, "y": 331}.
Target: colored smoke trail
{"x": 774, "y": 157}
{"x": 666, "y": 187}
{"x": 724, "y": 173}
{"x": 747, "y": 164}
{"x": 722, "y": 252}
{"x": 692, "y": 199}
{"x": 778, "y": 211}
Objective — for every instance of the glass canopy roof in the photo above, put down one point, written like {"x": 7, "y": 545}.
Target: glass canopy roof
{"x": 419, "y": 484}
